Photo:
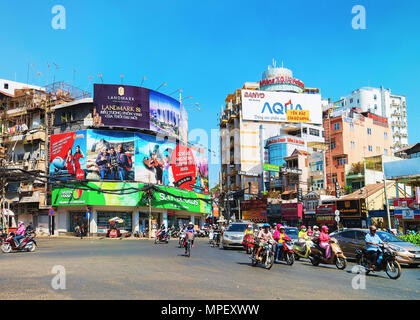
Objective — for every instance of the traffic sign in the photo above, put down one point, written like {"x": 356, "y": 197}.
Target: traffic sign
{"x": 87, "y": 214}
{"x": 337, "y": 213}
{"x": 337, "y": 219}
{"x": 51, "y": 212}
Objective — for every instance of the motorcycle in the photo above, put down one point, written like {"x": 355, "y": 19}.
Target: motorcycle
{"x": 162, "y": 237}
{"x": 181, "y": 239}
{"x": 249, "y": 243}
{"x": 266, "y": 255}
{"x": 286, "y": 254}
{"x": 302, "y": 250}
{"x": 386, "y": 260}
{"x": 216, "y": 239}
{"x": 317, "y": 255}
{"x": 27, "y": 243}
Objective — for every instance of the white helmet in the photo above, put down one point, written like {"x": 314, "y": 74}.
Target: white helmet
{"x": 190, "y": 223}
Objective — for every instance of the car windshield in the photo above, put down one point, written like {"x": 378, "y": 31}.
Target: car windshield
{"x": 291, "y": 233}
{"x": 237, "y": 227}
{"x": 387, "y": 237}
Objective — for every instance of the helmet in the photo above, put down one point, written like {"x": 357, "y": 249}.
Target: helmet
{"x": 249, "y": 227}
{"x": 279, "y": 226}
{"x": 324, "y": 228}
{"x": 316, "y": 227}
{"x": 21, "y": 222}
{"x": 266, "y": 225}
{"x": 302, "y": 227}
{"x": 190, "y": 223}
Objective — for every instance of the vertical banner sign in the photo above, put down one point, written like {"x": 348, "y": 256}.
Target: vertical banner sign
{"x": 121, "y": 106}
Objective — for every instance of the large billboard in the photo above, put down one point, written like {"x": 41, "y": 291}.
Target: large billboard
{"x": 68, "y": 154}
{"x": 281, "y": 106}
{"x": 111, "y": 155}
{"x": 138, "y": 108}
{"x": 121, "y": 106}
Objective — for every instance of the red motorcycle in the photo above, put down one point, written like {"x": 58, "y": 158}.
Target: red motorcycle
{"x": 27, "y": 243}
{"x": 162, "y": 236}
{"x": 249, "y": 243}
{"x": 287, "y": 254}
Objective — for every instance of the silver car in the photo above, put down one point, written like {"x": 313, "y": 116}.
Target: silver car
{"x": 234, "y": 235}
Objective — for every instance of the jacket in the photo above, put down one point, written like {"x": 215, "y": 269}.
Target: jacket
{"x": 103, "y": 164}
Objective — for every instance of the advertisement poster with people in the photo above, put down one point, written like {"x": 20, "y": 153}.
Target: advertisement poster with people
{"x": 110, "y": 155}
{"x": 100, "y": 155}
{"x": 165, "y": 114}
{"x": 68, "y": 155}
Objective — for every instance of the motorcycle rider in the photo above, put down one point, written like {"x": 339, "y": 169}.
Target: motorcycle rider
{"x": 20, "y": 233}
{"x": 264, "y": 236}
{"x": 162, "y": 230}
{"x": 302, "y": 232}
{"x": 315, "y": 234}
{"x": 324, "y": 243}
{"x": 309, "y": 232}
{"x": 372, "y": 243}
{"x": 282, "y": 238}
{"x": 190, "y": 229}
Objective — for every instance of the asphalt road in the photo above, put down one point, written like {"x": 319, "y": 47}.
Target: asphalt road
{"x": 140, "y": 269}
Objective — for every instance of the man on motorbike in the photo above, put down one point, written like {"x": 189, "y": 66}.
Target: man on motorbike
{"x": 189, "y": 230}
{"x": 162, "y": 230}
{"x": 264, "y": 236}
{"x": 372, "y": 245}
{"x": 282, "y": 237}
{"x": 324, "y": 241}
{"x": 20, "y": 233}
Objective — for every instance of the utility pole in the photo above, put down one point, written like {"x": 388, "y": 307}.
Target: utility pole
{"x": 387, "y": 206}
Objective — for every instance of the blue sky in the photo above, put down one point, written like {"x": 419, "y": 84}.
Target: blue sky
{"x": 210, "y": 48}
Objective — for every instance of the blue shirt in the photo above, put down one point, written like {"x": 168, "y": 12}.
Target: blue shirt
{"x": 374, "y": 239}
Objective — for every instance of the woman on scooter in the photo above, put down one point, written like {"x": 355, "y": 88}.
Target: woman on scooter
{"x": 283, "y": 237}
{"x": 302, "y": 233}
{"x": 324, "y": 241}
{"x": 20, "y": 233}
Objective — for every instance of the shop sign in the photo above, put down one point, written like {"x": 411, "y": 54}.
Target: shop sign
{"x": 271, "y": 167}
{"x": 350, "y": 208}
{"x": 291, "y": 211}
{"x": 254, "y": 210}
{"x": 408, "y": 214}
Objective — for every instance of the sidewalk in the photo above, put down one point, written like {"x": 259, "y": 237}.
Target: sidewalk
{"x": 89, "y": 238}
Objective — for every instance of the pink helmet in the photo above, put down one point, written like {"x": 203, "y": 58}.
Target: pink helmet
{"x": 279, "y": 226}
{"x": 325, "y": 228}
{"x": 302, "y": 227}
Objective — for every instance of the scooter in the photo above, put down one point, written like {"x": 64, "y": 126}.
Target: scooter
{"x": 249, "y": 243}
{"x": 386, "y": 261}
{"x": 286, "y": 254}
{"x": 302, "y": 250}
{"x": 266, "y": 256}
{"x": 160, "y": 237}
{"x": 27, "y": 243}
{"x": 317, "y": 255}
{"x": 181, "y": 239}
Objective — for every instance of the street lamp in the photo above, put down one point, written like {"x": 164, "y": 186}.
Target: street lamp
{"x": 163, "y": 84}
{"x": 195, "y": 106}
{"x": 186, "y": 98}
{"x": 179, "y": 90}
{"x": 144, "y": 78}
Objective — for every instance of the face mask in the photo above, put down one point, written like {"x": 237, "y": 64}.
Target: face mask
{"x": 304, "y": 230}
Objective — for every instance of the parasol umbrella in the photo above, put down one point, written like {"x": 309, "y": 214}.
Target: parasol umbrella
{"x": 116, "y": 219}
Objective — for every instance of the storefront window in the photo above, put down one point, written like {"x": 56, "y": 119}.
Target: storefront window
{"x": 77, "y": 218}
{"x": 103, "y": 220}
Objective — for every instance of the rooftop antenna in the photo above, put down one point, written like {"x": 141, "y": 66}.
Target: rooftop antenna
{"x": 142, "y": 81}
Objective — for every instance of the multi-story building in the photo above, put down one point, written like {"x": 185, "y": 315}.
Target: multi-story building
{"x": 24, "y": 142}
{"x": 353, "y": 135}
{"x": 259, "y": 111}
{"x": 382, "y": 102}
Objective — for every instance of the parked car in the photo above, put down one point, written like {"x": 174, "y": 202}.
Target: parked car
{"x": 234, "y": 235}
{"x": 354, "y": 238}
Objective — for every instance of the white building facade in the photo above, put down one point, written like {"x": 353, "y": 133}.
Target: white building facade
{"x": 381, "y": 102}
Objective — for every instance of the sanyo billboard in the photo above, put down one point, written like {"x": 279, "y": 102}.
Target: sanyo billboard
{"x": 278, "y": 106}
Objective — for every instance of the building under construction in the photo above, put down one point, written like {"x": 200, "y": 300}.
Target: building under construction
{"x": 25, "y": 125}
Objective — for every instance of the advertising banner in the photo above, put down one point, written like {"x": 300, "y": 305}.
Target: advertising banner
{"x": 291, "y": 211}
{"x": 271, "y": 167}
{"x": 276, "y": 106}
{"x": 254, "y": 210}
{"x": 121, "y": 106}
{"x": 126, "y": 156}
{"x": 68, "y": 154}
{"x": 165, "y": 114}
{"x": 168, "y": 198}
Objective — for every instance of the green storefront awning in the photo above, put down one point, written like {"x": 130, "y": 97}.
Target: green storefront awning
{"x": 126, "y": 194}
